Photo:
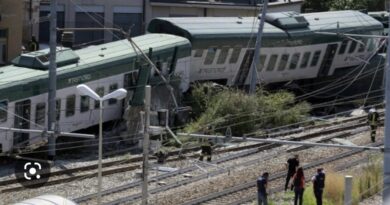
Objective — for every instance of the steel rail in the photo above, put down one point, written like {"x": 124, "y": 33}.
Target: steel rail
{"x": 197, "y": 178}
{"x": 274, "y": 177}
{"x": 281, "y": 188}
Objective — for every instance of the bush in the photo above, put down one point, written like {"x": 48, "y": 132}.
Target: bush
{"x": 219, "y": 107}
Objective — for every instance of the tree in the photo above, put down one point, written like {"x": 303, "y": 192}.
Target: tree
{"x": 228, "y": 107}
{"x": 316, "y": 5}
{"x": 326, "y": 5}
{"x": 369, "y": 5}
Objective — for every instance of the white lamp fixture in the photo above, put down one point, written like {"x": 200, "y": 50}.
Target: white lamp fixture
{"x": 117, "y": 94}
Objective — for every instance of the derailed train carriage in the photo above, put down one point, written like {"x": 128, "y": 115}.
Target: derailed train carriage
{"x": 104, "y": 68}
{"x": 306, "y": 49}
{"x": 200, "y": 49}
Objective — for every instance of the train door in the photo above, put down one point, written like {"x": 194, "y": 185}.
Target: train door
{"x": 328, "y": 60}
{"x": 130, "y": 84}
{"x": 22, "y": 121}
{"x": 243, "y": 71}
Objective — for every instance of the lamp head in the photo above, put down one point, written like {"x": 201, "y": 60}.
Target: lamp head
{"x": 117, "y": 94}
{"x": 85, "y": 90}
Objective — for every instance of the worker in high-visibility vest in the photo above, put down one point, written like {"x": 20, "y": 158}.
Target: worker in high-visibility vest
{"x": 206, "y": 145}
{"x": 206, "y": 148}
{"x": 373, "y": 119}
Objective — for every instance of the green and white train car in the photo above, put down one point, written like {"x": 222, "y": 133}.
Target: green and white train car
{"x": 106, "y": 67}
{"x": 292, "y": 47}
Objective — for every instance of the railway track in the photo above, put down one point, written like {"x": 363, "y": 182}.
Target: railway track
{"x": 239, "y": 199}
{"x": 243, "y": 190}
{"x": 121, "y": 190}
{"x": 118, "y": 166}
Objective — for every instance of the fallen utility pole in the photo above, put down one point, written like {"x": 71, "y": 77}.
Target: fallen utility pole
{"x": 255, "y": 62}
{"x": 51, "y": 115}
{"x": 145, "y": 165}
{"x": 66, "y": 134}
{"x": 275, "y": 141}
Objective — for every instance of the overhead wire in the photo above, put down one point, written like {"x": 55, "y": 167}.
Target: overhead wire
{"x": 71, "y": 0}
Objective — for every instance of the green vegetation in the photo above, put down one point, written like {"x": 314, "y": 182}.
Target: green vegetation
{"x": 326, "y": 5}
{"x": 365, "y": 185}
{"x": 217, "y": 108}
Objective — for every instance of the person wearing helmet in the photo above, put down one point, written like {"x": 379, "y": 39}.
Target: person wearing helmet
{"x": 373, "y": 119}
{"x": 206, "y": 146}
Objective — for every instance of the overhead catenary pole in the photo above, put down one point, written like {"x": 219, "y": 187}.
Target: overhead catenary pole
{"x": 100, "y": 151}
{"x": 145, "y": 165}
{"x": 255, "y": 62}
{"x": 51, "y": 116}
{"x": 386, "y": 158}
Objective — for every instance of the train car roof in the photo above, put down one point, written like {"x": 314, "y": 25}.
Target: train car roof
{"x": 278, "y": 25}
{"x": 113, "y": 53}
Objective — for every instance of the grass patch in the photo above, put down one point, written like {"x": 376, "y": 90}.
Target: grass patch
{"x": 366, "y": 183}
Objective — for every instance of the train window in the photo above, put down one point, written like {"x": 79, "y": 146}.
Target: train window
{"x": 58, "y": 109}
{"x": 100, "y": 92}
{"x": 294, "y": 60}
{"x": 343, "y": 46}
{"x": 363, "y": 45}
{"x": 198, "y": 53}
{"x": 305, "y": 59}
{"x": 222, "y": 55}
{"x": 315, "y": 59}
{"x": 235, "y": 55}
{"x": 210, "y": 56}
{"x": 272, "y": 62}
{"x": 261, "y": 64}
{"x": 113, "y": 87}
{"x": 352, "y": 47}
{"x": 371, "y": 45}
{"x": 70, "y": 105}
{"x": 84, "y": 103}
{"x": 3, "y": 111}
{"x": 40, "y": 113}
{"x": 283, "y": 61}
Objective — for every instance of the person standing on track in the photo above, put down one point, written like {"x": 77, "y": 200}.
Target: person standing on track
{"x": 206, "y": 146}
{"x": 292, "y": 165}
{"x": 319, "y": 185}
{"x": 262, "y": 183}
{"x": 373, "y": 119}
{"x": 299, "y": 186}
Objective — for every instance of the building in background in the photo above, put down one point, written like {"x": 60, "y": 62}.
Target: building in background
{"x": 31, "y": 20}
{"x": 134, "y": 15}
{"x": 11, "y": 29}
{"x": 215, "y": 8}
{"x": 122, "y": 14}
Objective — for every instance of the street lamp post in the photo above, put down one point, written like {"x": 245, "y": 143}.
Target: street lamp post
{"x": 117, "y": 94}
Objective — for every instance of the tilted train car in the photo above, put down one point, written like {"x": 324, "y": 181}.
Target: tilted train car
{"x": 106, "y": 67}
{"x": 293, "y": 47}
{"x": 209, "y": 48}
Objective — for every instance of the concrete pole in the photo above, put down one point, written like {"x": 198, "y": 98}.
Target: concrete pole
{"x": 100, "y": 151}
{"x": 348, "y": 190}
{"x": 252, "y": 86}
{"x": 386, "y": 158}
{"x": 145, "y": 148}
{"x": 51, "y": 122}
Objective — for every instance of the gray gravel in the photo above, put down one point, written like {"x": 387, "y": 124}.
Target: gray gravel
{"x": 87, "y": 186}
